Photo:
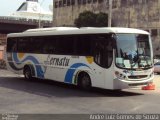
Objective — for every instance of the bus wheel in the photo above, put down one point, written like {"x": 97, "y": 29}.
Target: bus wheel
{"x": 84, "y": 81}
{"x": 27, "y": 73}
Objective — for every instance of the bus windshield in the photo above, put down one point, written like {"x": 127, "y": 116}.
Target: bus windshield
{"x": 133, "y": 51}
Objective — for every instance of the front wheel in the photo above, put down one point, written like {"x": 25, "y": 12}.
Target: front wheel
{"x": 158, "y": 73}
{"x": 84, "y": 81}
{"x": 27, "y": 73}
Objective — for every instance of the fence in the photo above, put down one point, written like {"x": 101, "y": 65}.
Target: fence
{"x": 2, "y": 64}
{"x": 2, "y": 61}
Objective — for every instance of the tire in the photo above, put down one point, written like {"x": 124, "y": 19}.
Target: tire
{"x": 117, "y": 90}
{"x": 27, "y": 73}
{"x": 84, "y": 81}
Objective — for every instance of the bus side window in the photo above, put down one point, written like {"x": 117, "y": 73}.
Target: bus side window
{"x": 83, "y": 45}
{"x": 99, "y": 52}
{"x": 12, "y": 45}
{"x": 103, "y": 51}
{"x": 49, "y": 44}
{"x": 24, "y": 45}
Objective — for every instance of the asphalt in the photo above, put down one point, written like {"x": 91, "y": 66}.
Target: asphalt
{"x": 5, "y": 73}
{"x": 18, "y": 95}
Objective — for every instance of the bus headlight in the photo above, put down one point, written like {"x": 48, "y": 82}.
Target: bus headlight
{"x": 151, "y": 74}
{"x": 119, "y": 75}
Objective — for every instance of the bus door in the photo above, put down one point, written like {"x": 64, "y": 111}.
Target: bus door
{"x": 103, "y": 57}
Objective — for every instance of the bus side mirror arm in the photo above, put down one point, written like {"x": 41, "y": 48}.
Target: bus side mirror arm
{"x": 113, "y": 39}
{"x": 114, "y": 44}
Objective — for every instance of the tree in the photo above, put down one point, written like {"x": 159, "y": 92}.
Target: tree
{"x": 90, "y": 19}
{"x": 86, "y": 19}
{"x": 102, "y": 20}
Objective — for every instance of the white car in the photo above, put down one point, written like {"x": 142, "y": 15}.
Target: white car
{"x": 157, "y": 68}
{"x": 156, "y": 60}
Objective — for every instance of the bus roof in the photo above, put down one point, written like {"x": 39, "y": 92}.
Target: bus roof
{"x": 74, "y": 30}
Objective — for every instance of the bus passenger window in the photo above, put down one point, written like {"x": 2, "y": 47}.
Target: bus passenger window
{"x": 11, "y": 45}
{"x": 49, "y": 44}
{"x": 83, "y": 45}
{"x": 103, "y": 52}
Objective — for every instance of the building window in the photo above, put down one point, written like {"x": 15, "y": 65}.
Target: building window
{"x": 124, "y": 2}
{"x": 139, "y": 1}
{"x": 56, "y": 4}
{"x": 100, "y": 1}
{"x": 94, "y": 1}
{"x": 135, "y": 2}
{"x": 84, "y": 2}
{"x": 114, "y": 5}
{"x": 60, "y": 3}
{"x": 79, "y": 2}
{"x": 68, "y": 2}
{"x": 64, "y": 2}
{"x": 154, "y": 32}
{"x": 89, "y": 1}
{"x": 72, "y": 2}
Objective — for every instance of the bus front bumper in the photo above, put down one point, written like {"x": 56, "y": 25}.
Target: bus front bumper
{"x": 123, "y": 84}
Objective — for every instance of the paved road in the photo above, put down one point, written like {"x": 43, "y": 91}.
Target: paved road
{"x": 20, "y": 96}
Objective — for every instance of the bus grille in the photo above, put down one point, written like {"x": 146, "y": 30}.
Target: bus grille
{"x": 137, "y": 77}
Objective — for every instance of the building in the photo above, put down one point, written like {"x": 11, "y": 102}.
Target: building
{"x": 143, "y": 14}
{"x": 2, "y": 39}
{"x": 28, "y": 15}
{"x": 2, "y": 45}
{"x": 31, "y": 9}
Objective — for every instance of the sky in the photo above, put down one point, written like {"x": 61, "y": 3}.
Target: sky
{"x": 7, "y": 7}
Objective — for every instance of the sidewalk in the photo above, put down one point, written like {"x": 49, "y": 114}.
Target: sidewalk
{"x": 156, "y": 81}
{"x": 6, "y": 73}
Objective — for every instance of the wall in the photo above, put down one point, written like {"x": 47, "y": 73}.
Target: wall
{"x": 2, "y": 45}
{"x": 2, "y": 50}
{"x": 143, "y": 14}
{"x": 126, "y": 13}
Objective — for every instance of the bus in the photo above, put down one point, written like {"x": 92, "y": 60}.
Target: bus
{"x": 109, "y": 58}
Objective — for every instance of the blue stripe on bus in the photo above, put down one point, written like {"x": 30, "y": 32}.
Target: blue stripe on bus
{"x": 39, "y": 70}
{"x": 71, "y": 71}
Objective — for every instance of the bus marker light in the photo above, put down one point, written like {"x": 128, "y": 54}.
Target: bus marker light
{"x": 149, "y": 86}
{"x": 116, "y": 73}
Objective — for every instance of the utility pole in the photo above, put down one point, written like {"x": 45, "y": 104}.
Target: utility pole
{"x": 53, "y": 11}
{"x": 110, "y": 14}
{"x": 39, "y": 22}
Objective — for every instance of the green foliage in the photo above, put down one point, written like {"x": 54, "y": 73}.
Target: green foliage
{"x": 102, "y": 20}
{"x": 85, "y": 19}
{"x": 90, "y": 19}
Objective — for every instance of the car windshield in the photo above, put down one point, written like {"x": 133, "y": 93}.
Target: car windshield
{"x": 158, "y": 63}
{"x": 133, "y": 51}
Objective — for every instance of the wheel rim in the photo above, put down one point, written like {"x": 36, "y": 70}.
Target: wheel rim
{"x": 85, "y": 81}
{"x": 27, "y": 74}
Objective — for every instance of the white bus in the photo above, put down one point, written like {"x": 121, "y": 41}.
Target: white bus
{"x": 109, "y": 58}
